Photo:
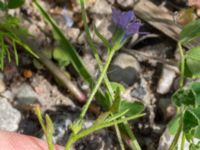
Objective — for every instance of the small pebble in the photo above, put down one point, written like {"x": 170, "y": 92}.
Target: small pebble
{"x": 101, "y": 7}
{"x": 67, "y": 17}
{"x": 166, "y": 80}
{"x": 7, "y": 94}
{"x": 9, "y": 116}
{"x": 25, "y": 96}
{"x": 2, "y": 86}
{"x": 124, "y": 69}
{"x": 27, "y": 73}
{"x": 125, "y": 3}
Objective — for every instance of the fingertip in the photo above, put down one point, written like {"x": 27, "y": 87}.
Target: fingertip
{"x": 14, "y": 141}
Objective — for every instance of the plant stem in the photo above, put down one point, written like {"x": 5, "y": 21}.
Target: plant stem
{"x": 182, "y": 141}
{"x": 74, "y": 137}
{"x": 86, "y": 106}
{"x": 134, "y": 143}
{"x": 181, "y": 110}
{"x": 182, "y": 67}
{"x": 175, "y": 140}
{"x": 119, "y": 137}
{"x": 99, "y": 62}
{"x": 178, "y": 133}
{"x": 93, "y": 48}
{"x": 106, "y": 81}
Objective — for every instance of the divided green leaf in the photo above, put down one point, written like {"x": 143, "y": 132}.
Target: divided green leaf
{"x": 174, "y": 124}
{"x": 61, "y": 57}
{"x": 194, "y": 146}
{"x": 195, "y": 86}
{"x": 3, "y": 6}
{"x": 190, "y": 121}
{"x": 197, "y": 132}
{"x": 133, "y": 107}
{"x": 12, "y": 4}
{"x": 196, "y": 111}
{"x": 183, "y": 97}
{"x": 190, "y": 135}
{"x": 192, "y": 61}
{"x": 190, "y": 31}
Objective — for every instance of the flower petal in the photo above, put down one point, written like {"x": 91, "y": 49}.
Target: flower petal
{"x": 126, "y": 18}
{"x": 116, "y": 15}
{"x": 126, "y": 22}
{"x": 133, "y": 28}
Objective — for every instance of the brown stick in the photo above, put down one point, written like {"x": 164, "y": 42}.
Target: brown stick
{"x": 57, "y": 73}
{"x": 161, "y": 19}
{"x": 60, "y": 75}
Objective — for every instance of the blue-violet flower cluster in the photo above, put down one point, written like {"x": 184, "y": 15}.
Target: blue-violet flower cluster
{"x": 126, "y": 21}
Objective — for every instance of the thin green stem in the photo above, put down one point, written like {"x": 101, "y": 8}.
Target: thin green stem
{"x": 86, "y": 106}
{"x": 93, "y": 48}
{"x": 2, "y": 54}
{"x": 182, "y": 67}
{"x": 182, "y": 141}
{"x": 181, "y": 110}
{"x": 50, "y": 145}
{"x": 134, "y": 143}
{"x": 95, "y": 53}
{"x": 175, "y": 140}
{"x": 178, "y": 133}
{"x": 25, "y": 46}
{"x": 74, "y": 137}
{"x": 119, "y": 137}
{"x": 106, "y": 81}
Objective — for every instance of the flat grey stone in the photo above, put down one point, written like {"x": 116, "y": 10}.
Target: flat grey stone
{"x": 101, "y": 7}
{"x": 166, "y": 80}
{"x": 8, "y": 95}
{"x": 126, "y": 3}
{"x": 25, "y": 96}
{"x": 124, "y": 69}
{"x": 9, "y": 116}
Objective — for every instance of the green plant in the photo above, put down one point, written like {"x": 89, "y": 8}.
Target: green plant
{"x": 47, "y": 127}
{"x": 186, "y": 123}
{"x": 10, "y": 4}
{"x": 117, "y": 109}
{"x": 10, "y": 33}
{"x": 186, "y": 98}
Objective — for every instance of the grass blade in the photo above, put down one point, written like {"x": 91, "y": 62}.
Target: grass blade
{"x": 69, "y": 49}
{"x": 49, "y": 136}
{"x": 2, "y": 54}
{"x": 71, "y": 52}
{"x": 15, "y": 53}
{"x": 103, "y": 39}
{"x": 8, "y": 54}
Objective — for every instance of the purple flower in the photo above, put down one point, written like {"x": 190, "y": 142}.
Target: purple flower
{"x": 126, "y": 21}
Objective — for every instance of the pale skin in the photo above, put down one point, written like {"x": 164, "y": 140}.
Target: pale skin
{"x": 15, "y": 141}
